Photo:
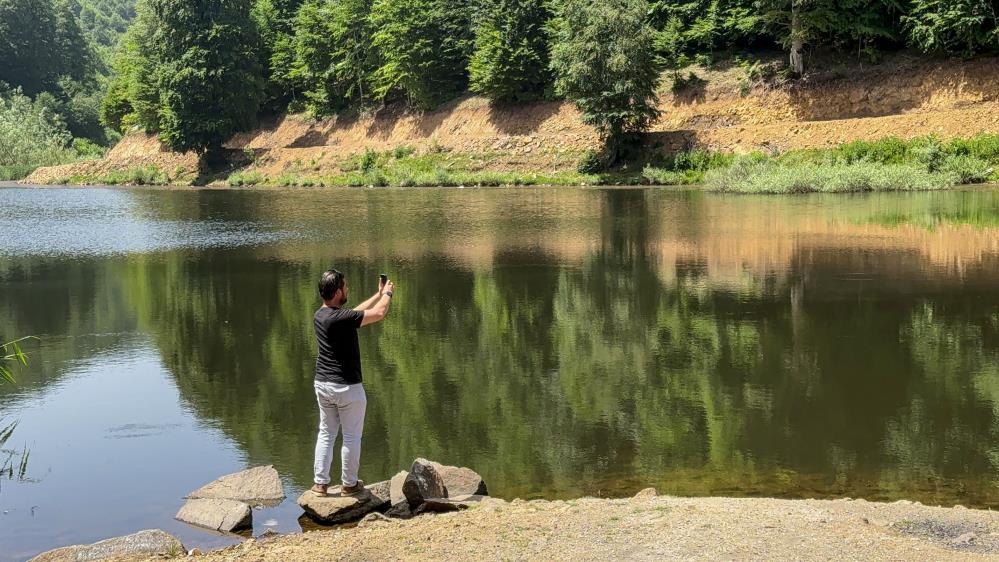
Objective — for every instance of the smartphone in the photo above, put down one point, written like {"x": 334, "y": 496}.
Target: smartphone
{"x": 384, "y": 278}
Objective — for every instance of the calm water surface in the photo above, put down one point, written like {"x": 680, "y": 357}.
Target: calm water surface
{"x": 561, "y": 342}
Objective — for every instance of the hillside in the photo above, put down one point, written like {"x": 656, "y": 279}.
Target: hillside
{"x": 905, "y": 96}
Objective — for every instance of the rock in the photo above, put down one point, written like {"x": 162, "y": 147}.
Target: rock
{"x": 334, "y": 508}
{"x": 149, "y": 542}
{"x": 443, "y": 505}
{"x": 216, "y": 514}
{"x": 372, "y": 518}
{"x": 381, "y": 494}
{"x": 461, "y": 481}
{"x": 400, "y": 510}
{"x": 194, "y": 552}
{"x": 646, "y": 494}
{"x": 395, "y": 487}
{"x": 423, "y": 482}
{"x": 256, "y": 486}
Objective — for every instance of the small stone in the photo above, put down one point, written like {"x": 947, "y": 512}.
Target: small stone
{"x": 216, "y": 514}
{"x": 194, "y": 552}
{"x": 372, "y": 518}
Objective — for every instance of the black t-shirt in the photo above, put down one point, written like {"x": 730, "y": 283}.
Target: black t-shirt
{"x": 339, "y": 358}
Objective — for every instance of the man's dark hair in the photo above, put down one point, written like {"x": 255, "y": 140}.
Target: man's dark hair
{"x": 329, "y": 283}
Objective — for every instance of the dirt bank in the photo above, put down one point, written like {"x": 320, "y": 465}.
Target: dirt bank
{"x": 904, "y": 96}
{"x": 652, "y": 528}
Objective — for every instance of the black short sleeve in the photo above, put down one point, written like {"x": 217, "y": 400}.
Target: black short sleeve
{"x": 339, "y": 359}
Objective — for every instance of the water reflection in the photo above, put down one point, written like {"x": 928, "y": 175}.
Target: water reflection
{"x": 569, "y": 342}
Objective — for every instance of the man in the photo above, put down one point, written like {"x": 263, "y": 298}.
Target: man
{"x": 338, "y": 377}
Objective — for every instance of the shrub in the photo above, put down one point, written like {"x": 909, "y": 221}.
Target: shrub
{"x": 659, "y": 176}
{"x": 237, "y": 179}
{"x": 747, "y": 176}
{"x": 968, "y": 169}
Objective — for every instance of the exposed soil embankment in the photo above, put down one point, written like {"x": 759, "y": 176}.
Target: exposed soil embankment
{"x": 905, "y": 96}
{"x": 651, "y": 528}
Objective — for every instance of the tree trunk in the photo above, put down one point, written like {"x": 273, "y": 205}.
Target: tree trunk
{"x": 797, "y": 39}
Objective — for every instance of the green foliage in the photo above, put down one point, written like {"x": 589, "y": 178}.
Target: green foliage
{"x": 209, "y": 78}
{"x": 334, "y": 57}
{"x": 133, "y": 96}
{"x": 511, "y": 60}
{"x": 603, "y": 60}
{"x": 238, "y": 179}
{"x": 138, "y": 175}
{"x": 10, "y": 354}
{"x": 425, "y": 47}
{"x": 40, "y": 42}
{"x": 963, "y": 27}
{"x": 753, "y": 176}
{"x": 31, "y": 135}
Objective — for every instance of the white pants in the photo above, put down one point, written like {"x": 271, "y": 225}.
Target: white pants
{"x": 340, "y": 405}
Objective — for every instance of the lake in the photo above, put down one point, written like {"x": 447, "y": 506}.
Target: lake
{"x": 561, "y": 342}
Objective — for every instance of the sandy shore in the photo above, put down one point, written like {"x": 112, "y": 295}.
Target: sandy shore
{"x": 651, "y": 528}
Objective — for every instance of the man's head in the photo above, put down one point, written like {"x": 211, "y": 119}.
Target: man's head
{"x": 333, "y": 288}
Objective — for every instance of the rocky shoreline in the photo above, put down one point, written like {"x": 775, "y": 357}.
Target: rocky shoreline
{"x": 462, "y": 522}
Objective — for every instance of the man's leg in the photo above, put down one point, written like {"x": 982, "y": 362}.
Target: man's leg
{"x": 352, "y": 407}
{"x": 329, "y": 426}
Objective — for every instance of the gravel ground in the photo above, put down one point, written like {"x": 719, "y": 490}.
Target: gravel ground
{"x": 651, "y": 528}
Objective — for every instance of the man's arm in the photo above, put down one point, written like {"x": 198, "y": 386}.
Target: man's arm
{"x": 368, "y": 303}
{"x": 377, "y": 312}
{"x": 371, "y": 301}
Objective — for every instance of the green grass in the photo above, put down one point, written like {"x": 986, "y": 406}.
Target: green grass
{"x": 237, "y": 179}
{"x": 748, "y": 176}
{"x": 888, "y": 164}
{"x": 139, "y": 175}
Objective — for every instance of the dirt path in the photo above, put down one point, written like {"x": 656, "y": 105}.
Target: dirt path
{"x": 652, "y": 528}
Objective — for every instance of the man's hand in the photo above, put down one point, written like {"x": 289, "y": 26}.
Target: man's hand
{"x": 381, "y": 285}
{"x": 377, "y": 312}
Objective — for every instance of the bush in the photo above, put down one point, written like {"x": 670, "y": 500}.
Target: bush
{"x": 968, "y": 169}
{"x": 659, "y": 176}
{"x": 237, "y": 179}
{"x": 139, "y": 175}
{"x": 747, "y": 176}
{"x": 591, "y": 162}
{"x": 30, "y": 136}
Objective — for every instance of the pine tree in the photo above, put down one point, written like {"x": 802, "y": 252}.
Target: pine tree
{"x": 604, "y": 61}
{"x": 334, "y": 57}
{"x": 424, "y": 47}
{"x": 511, "y": 59}
{"x": 208, "y": 71}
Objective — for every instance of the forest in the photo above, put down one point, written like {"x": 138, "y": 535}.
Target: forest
{"x": 75, "y": 74}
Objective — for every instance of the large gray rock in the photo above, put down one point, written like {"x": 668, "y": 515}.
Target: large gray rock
{"x": 149, "y": 542}
{"x": 216, "y": 514}
{"x": 461, "y": 481}
{"x": 381, "y": 494}
{"x": 395, "y": 487}
{"x": 334, "y": 508}
{"x": 423, "y": 482}
{"x": 256, "y": 486}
